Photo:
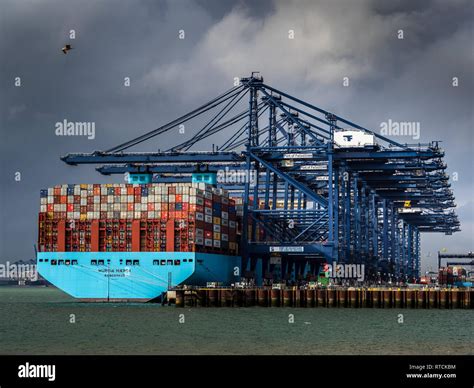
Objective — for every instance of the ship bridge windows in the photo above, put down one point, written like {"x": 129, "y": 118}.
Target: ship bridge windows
{"x": 74, "y": 262}
{"x": 40, "y": 260}
{"x": 101, "y": 262}
{"x": 93, "y": 262}
{"x": 177, "y": 262}
{"x": 128, "y": 262}
{"x": 53, "y": 262}
{"x": 163, "y": 262}
{"x": 68, "y": 262}
{"x": 136, "y": 262}
{"x": 169, "y": 262}
{"x": 60, "y": 262}
{"x": 185, "y": 260}
{"x": 190, "y": 260}
{"x": 46, "y": 260}
{"x": 156, "y": 262}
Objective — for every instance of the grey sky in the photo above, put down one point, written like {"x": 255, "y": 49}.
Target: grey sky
{"x": 402, "y": 80}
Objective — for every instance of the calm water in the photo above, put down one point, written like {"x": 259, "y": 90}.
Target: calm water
{"x": 37, "y": 321}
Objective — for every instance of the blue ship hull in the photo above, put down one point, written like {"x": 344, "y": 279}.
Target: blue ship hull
{"x": 133, "y": 276}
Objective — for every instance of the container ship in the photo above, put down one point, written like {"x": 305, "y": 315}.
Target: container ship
{"x": 132, "y": 242}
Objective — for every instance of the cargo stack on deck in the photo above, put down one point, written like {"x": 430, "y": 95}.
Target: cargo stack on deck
{"x": 94, "y": 225}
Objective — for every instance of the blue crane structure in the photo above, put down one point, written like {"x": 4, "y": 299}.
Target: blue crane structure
{"x": 315, "y": 199}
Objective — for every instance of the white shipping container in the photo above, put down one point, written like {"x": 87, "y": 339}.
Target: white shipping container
{"x": 208, "y": 242}
{"x": 199, "y": 232}
{"x": 199, "y": 216}
{"x": 224, "y": 222}
{"x": 216, "y": 228}
{"x": 208, "y": 219}
{"x": 217, "y": 243}
{"x": 225, "y": 237}
{"x": 43, "y": 208}
{"x": 76, "y": 215}
{"x": 225, "y": 215}
{"x": 208, "y": 211}
{"x": 232, "y": 224}
{"x": 353, "y": 139}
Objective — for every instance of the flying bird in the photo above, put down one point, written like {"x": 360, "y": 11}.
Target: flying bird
{"x": 66, "y": 48}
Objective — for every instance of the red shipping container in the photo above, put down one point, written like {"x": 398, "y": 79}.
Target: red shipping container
{"x": 63, "y": 199}
{"x": 57, "y": 191}
{"x": 130, "y": 207}
{"x": 96, "y": 190}
{"x": 129, "y": 190}
{"x": 103, "y": 215}
{"x": 137, "y": 190}
{"x": 77, "y": 198}
{"x": 208, "y": 234}
{"x": 151, "y": 206}
{"x": 164, "y": 215}
{"x": 179, "y": 198}
{"x": 185, "y": 206}
{"x": 199, "y": 208}
{"x": 70, "y": 207}
{"x": 207, "y": 203}
{"x": 172, "y": 190}
{"x": 117, "y": 190}
{"x": 137, "y": 199}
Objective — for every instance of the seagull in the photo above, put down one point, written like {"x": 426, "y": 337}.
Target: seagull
{"x": 66, "y": 48}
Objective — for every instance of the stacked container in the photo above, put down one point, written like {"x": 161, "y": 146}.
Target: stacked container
{"x": 179, "y": 217}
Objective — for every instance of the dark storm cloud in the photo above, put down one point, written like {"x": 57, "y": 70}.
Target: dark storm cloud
{"x": 407, "y": 79}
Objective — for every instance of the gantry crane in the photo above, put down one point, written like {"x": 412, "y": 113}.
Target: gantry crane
{"x": 324, "y": 190}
